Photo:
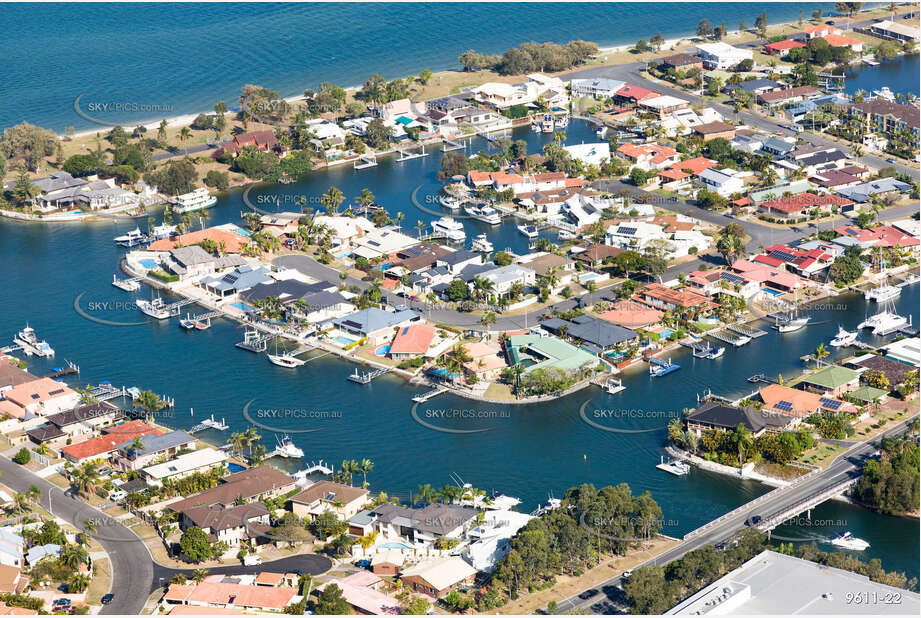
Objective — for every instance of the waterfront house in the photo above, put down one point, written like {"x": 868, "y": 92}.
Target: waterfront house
{"x": 722, "y": 55}
{"x": 595, "y": 88}
{"x": 582, "y": 210}
{"x": 592, "y": 153}
{"x": 682, "y": 121}
{"x": 130, "y": 456}
{"x": 238, "y": 280}
{"x": 10, "y": 373}
{"x": 424, "y": 525}
{"x": 839, "y": 40}
{"x": 411, "y": 341}
{"x": 798, "y": 403}
{"x": 81, "y": 420}
{"x": 439, "y": 576}
{"x": 880, "y": 236}
{"x": 591, "y": 333}
{"x": 193, "y": 261}
{"x": 663, "y": 105}
{"x": 719, "y": 281}
{"x": 895, "y": 371}
{"x": 720, "y": 416}
{"x": 545, "y": 351}
{"x": 226, "y": 240}
{"x": 328, "y": 497}
{"x": 635, "y": 94}
{"x": 489, "y": 540}
{"x": 101, "y": 447}
{"x": 214, "y": 596}
{"x": 714, "y": 130}
{"x": 804, "y": 262}
{"x": 724, "y": 181}
{"x": 782, "y": 48}
{"x": 486, "y": 360}
{"x": 649, "y": 156}
{"x": 84, "y": 195}
{"x": 769, "y": 277}
{"x": 285, "y": 222}
{"x": 264, "y": 141}
{"x": 184, "y": 465}
{"x": 376, "y": 325}
{"x": 630, "y": 314}
{"x": 681, "y": 62}
{"x": 832, "y": 380}
{"x": 594, "y": 255}
{"x": 39, "y": 397}
{"x": 668, "y": 299}
{"x": 906, "y": 350}
{"x": 321, "y": 307}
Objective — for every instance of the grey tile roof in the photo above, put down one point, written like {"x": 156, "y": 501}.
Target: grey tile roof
{"x": 156, "y": 443}
{"x": 593, "y": 330}
{"x": 373, "y": 319}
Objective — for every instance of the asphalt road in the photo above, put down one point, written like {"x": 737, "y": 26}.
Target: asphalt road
{"x": 609, "y": 594}
{"x": 132, "y": 565}
{"x": 135, "y": 574}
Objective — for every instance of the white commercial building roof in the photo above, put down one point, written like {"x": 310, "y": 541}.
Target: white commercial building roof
{"x": 773, "y": 584}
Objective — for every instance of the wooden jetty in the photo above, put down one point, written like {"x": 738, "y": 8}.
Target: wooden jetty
{"x": 366, "y": 377}
{"x": 449, "y": 145}
{"x": 406, "y": 155}
{"x": 70, "y": 369}
{"x": 423, "y": 397}
{"x": 742, "y": 329}
{"x": 365, "y": 161}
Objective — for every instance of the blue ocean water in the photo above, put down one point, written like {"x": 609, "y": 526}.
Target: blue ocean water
{"x": 180, "y": 58}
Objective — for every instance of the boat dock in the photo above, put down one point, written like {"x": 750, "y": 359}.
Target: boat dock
{"x": 741, "y": 329}
{"x": 423, "y": 397}
{"x": 129, "y": 285}
{"x": 406, "y": 155}
{"x": 255, "y": 341}
{"x": 760, "y": 377}
{"x": 70, "y": 369}
{"x": 727, "y": 337}
{"x": 105, "y": 392}
{"x": 210, "y": 423}
{"x": 366, "y": 377}
{"x": 366, "y": 161}
{"x": 696, "y": 346}
{"x": 449, "y": 145}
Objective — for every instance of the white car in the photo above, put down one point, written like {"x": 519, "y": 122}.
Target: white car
{"x": 118, "y": 495}
{"x": 251, "y": 560}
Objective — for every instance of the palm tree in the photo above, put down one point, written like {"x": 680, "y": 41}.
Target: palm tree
{"x": 331, "y": 200}
{"x": 21, "y": 501}
{"x": 150, "y": 402}
{"x": 184, "y": 134}
{"x": 72, "y": 556}
{"x": 85, "y": 477}
{"x": 179, "y": 579}
{"x": 364, "y": 467}
{"x": 365, "y": 198}
{"x": 199, "y": 575}
{"x": 78, "y": 583}
{"x": 426, "y": 493}
{"x": 488, "y": 319}
{"x": 820, "y": 352}
{"x": 741, "y": 437}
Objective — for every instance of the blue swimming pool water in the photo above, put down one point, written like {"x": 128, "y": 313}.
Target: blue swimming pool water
{"x": 773, "y": 292}
{"x": 148, "y": 263}
{"x": 232, "y": 467}
{"x": 344, "y": 340}
{"x": 394, "y": 546}
{"x": 242, "y": 306}
{"x": 382, "y": 351}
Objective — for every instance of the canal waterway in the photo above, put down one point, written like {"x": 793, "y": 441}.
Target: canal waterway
{"x": 526, "y": 451}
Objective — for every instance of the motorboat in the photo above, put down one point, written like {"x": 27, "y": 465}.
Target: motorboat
{"x": 31, "y": 344}
{"x": 885, "y": 93}
{"x": 287, "y": 449}
{"x": 741, "y": 340}
{"x": 481, "y": 243}
{"x": 528, "y": 230}
{"x": 547, "y": 124}
{"x": 285, "y": 360}
{"x": 450, "y": 229}
{"x": 550, "y": 505}
{"x": 843, "y": 338}
{"x": 199, "y": 199}
{"x": 614, "y": 386}
{"x": 163, "y": 231}
{"x": 715, "y": 353}
{"x": 674, "y": 466}
{"x": 561, "y": 123}
{"x": 602, "y": 132}
{"x": 792, "y": 325}
{"x": 565, "y": 235}
{"x": 882, "y": 293}
{"x": 501, "y": 502}
{"x": 129, "y": 285}
{"x": 187, "y": 323}
{"x": 847, "y": 540}
{"x": 132, "y": 239}
{"x": 449, "y": 201}
{"x": 484, "y": 213}
{"x": 155, "y": 308}
{"x": 658, "y": 368}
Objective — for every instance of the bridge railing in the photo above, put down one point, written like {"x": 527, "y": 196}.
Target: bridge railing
{"x": 803, "y": 505}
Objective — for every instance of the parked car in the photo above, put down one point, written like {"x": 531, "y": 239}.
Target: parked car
{"x": 890, "y": 160}
{"x": 588, "y": 594}
{"x": 364, "y": 563}
{"x": 251, "y": 560}
{"x": 107, "y": 598}
{"x": 60, "y": 603}
{"x": 118, "y": 495}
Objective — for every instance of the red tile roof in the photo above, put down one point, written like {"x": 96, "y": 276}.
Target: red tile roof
{"x": 657, "y": 151}
{"x": 413, "y": 339}
{"x": 802, "y": 201}
{"x": 637, "y": 93}
{"x": 837, "y": 40}
{"x": 233, "y": 242}
{"x": 784, "y": 45}
{"x": 107, "y": 443}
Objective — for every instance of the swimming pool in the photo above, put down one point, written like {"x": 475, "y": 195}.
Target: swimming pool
{"x": 148, "y": 263}
{"x": 773, "y": 292}
{"x": 394, "y": 546}
{"x": 344, "y": 340}
{"x": 382, "y": 351}
{"x": 232, "y": 467}
{"x": 242, "y": 306}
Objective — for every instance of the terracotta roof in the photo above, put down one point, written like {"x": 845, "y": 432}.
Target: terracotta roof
{"x": 635, "y": 151}
{"x": 637, "y": 93}
{"x": 502, "y": 179}
{"x": 682, "y": 298}
{"x": 631, "y": 314}
{"x": 597, "y": 252}
{"x": 802, "y": 201}
{"x": 784, "y": 45}
{"x": 695, "y": 165}
{"x": 109, "y": 441}
{"x": 329, "y": 491}
{"x": 838, "y": 40}
{"x": 233, "y": 242}
{"x": 36, "y": 391}
{"x": 413, "y": 339}
{"x": 235, "y": 595}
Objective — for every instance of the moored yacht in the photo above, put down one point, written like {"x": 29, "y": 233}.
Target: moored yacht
{"x": 528, "y": 230}
{"x": 675, "y": 466}
{"x": 287, "y": 449}
{"x": 449, "y": 201}
{"x": 285, "y": 360}
{"x": 155, "y": 308}
{"x": 546, "y": 125}
{"x": 31, "y": 344}
{"x": 843, "y": 338}
{"x": 131, "y": 239}
{"x": 882, "y": 293}
{"x": 792, "y": 325}
{"x": 450, "y": 229}
{"x": 198, "y": 199}
{"x": 163, "y": 231}
{"x": 484, "y": 213}
{"x": 481, "y": 243}
{"x": 884, "y": 322}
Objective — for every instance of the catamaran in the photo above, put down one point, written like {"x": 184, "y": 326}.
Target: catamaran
{"x": 450, "y": 229}
{"x": 884, "y": 322}
{"x": 199, "y": 199}
{"x": 31, "y": 344}
{"x": 843, "y": 338}
{"x": 882, "y": 293}
{"x": 484, "y": 213}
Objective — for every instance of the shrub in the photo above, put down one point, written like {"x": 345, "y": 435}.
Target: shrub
{"x": 23, "y": 457}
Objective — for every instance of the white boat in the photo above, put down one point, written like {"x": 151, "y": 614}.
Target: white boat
{"x": 481, "y": 243}
{"x": 564, "y": 235}
{"x": 546, "y": 125}
{"x": 561, "y": 123}
{"x": 501, "y": 502}
{"x": 155, "y": 308}
{"x": 449, "y": 201}
{"x": 882, "y": 293}
{"x": 187, "y": 323}
{"x": 528, "y": 230}
{"x": 285, "y": 360}
{"x": 550, "y": 505}
{"x": 884, "y": 322}
{"x": 614, "y": 386}
{"x": 163, "y": 231}
{"x": 741, "y": 340}
{"x": 31, "y": 344}
{"x": 131, "y": 239}
{"x": 885, "y": 93}
{"x": 129, "y": 285}
{"x": 676, "y": 467}
{"x": 449, "y": 228}
{"x": 199, "y": 199}
{"x": 716, "y": 352}
{"x": 849, "y": 541}
{"x": 484, "y": 213}
{"x": 287, "y": 449}
{"x": 792, "y": 325}
{"x": 602, "y": 131}
{"x": 843, "y": 338}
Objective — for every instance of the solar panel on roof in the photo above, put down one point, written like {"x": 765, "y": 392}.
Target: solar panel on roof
{"x": 626, "y": 230}
{"x": 732, "y": 278}
{"x": 782, "y": 255}
{"x": 786, "y": 406}
{"x": 831, "y": 404}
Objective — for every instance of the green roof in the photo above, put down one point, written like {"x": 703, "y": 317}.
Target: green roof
{"x": 546, "y": 352}
{"x": 867, "y": 394}
{"x": 832, "y": 377}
